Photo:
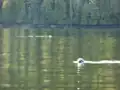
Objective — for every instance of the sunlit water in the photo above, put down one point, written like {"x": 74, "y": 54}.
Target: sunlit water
{"x": 43, "y": 60}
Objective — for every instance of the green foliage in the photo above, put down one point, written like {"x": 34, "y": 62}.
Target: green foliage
{"x": 57, "y": 11}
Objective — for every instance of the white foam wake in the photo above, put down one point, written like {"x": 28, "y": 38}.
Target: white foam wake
{"x": 103, "y": 62}
{"x": 81, "y": 61}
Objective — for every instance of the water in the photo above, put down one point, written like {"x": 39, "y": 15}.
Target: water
{"x": 46, "y": 63}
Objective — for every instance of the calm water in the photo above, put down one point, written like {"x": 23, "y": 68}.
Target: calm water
{"x": 42, "y": 59}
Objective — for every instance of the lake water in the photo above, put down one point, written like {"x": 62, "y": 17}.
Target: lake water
{"x": 42, "y": 59}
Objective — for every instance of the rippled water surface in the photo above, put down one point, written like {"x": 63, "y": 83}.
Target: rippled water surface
{"x": 42, "y": 59}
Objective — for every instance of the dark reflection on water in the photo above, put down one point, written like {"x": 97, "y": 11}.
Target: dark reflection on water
{"x": 45, "y": 62}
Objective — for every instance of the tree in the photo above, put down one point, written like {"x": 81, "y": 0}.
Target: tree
{"x": 1, "y": 3}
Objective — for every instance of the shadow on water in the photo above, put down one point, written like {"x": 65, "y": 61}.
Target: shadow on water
{"x": 42, "y": 59}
